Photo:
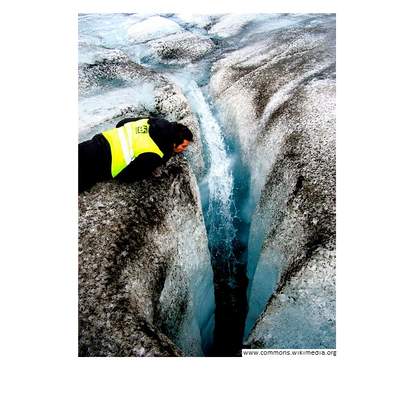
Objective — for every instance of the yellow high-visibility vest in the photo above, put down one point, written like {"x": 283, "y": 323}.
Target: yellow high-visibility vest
{"x": 128, "y": 142}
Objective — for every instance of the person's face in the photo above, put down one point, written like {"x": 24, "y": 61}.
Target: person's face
{"x": 182, "y": 147}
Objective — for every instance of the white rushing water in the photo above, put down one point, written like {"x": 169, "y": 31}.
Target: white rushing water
{"x": 219, "y": 179}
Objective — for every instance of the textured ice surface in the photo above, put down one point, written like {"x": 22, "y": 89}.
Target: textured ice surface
{"x": 249, "y": 26}
{"x": 196, "y": 20}
{"x": 145, "y": 279}
{"x": 179, "y": 48}
{"x": 152, "y": 28}
{"x": 190, "y": 272}
{"x": 106, "y": 30}
{"x": 277, "y": 95}
{"x": 303, "y": 314}
{"x": 106, "y": 106}
{"x": 230, "y": 25}
{"x": 112, "y": 87}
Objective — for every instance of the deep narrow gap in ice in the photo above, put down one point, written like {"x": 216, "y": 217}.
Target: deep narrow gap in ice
{"x": 225, "y": 201}
{"x": 224, "y": 193}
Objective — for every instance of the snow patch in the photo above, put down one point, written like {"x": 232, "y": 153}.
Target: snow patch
{"x": 230, "y": 25}
{"x": 152, "y": 28}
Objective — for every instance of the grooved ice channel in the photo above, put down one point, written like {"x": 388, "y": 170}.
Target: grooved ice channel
{"x": 221, "y": 207}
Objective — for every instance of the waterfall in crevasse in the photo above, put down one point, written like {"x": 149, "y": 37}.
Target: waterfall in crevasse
{"x": 227, "y": 239}
{"x": 218, "y": 201}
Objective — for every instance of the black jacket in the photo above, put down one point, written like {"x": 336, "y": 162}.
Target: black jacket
{"x": 95, "y": 155}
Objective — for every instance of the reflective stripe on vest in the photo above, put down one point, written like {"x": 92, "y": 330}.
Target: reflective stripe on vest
{"x": 128, "y": 142}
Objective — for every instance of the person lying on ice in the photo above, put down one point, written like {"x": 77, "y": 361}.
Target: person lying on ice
{"x": 131, "y": 150}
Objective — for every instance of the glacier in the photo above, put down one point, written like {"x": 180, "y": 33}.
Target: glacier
{"x": 258, "y": 93}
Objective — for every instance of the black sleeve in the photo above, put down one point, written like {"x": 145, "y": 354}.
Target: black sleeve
{"x": 141, "y": 167}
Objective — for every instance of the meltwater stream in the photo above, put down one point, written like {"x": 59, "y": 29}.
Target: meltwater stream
{"x": 221, "y": 192}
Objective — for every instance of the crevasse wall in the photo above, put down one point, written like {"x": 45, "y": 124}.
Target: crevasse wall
{"x": 277, "y": 96}
{"x": 146, "y": 286}
{"x": 145, "y": 279}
